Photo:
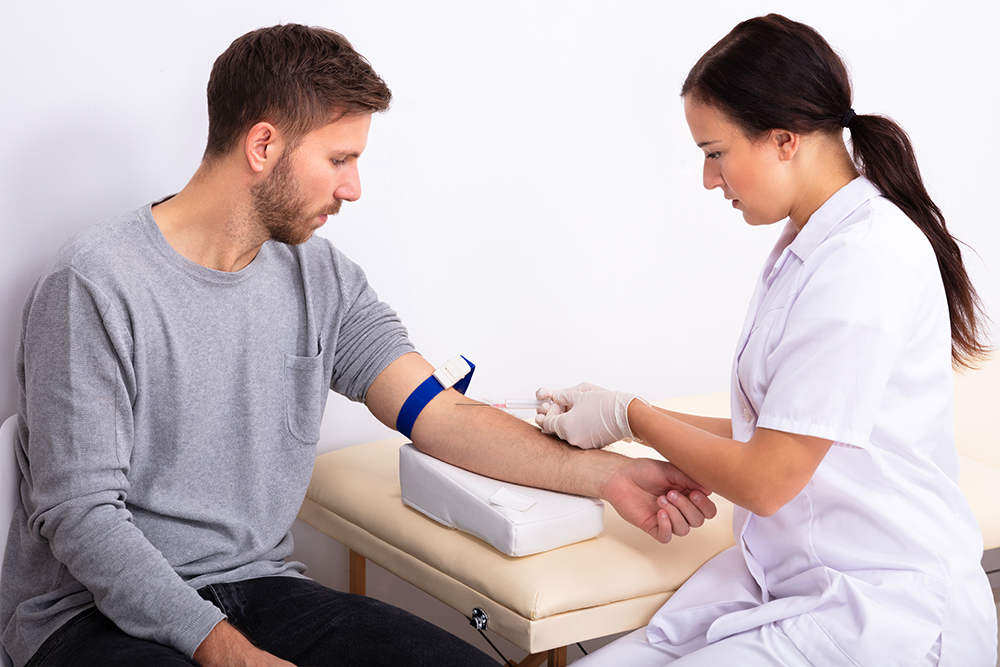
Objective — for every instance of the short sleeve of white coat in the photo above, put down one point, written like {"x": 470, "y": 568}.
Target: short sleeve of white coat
{"x": 846, "y": 320}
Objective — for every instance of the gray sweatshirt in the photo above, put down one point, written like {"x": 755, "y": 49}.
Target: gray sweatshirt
{"x": 169, "y": 415}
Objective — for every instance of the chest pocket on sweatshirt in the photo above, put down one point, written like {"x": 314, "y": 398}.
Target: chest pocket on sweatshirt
{"x": 306, "y": 387}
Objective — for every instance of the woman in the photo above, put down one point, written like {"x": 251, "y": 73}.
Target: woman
{"x": 855, "y": 545}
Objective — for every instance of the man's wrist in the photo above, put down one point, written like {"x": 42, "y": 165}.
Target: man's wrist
{"x": 602, "y": 467}
{"x": 224, "y": 645}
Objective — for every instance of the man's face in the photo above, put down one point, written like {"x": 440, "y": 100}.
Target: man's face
{"x": 308, "y": 183}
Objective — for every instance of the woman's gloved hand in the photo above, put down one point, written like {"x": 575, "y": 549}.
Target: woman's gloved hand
{"x": 586, "y": 415}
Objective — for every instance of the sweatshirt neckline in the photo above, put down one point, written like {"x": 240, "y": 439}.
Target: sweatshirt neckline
{"x": 189, "y": 267}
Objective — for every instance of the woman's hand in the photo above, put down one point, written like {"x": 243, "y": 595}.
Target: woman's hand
{"x": 586, "y": 415}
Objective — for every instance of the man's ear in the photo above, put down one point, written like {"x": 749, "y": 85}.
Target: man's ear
{"x": 261, "y": 145}
{"x": 786, "y": 143}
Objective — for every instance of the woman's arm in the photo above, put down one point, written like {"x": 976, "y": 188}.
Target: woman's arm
{"x": 715, "y": 425}
{"x": 761, "y": 475}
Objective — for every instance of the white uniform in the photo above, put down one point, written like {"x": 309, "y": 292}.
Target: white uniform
{"x": 877, "y": 560}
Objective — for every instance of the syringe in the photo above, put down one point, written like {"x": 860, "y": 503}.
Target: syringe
{"x": 510, "y": 404}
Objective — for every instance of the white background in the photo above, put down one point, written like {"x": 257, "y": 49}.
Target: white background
{"x": 532, "y": 200}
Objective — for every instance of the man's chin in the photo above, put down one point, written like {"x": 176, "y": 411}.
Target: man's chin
{"x": 299, "y": 233}
{"x": 302, "y": 238}
{"x": 292, "y": 238}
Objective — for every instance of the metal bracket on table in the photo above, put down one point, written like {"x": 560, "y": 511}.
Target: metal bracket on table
{"x": 479, "y": 619}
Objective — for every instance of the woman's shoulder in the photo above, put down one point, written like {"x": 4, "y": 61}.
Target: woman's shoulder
{"x": 878, "y": 233}
{"x": 875, "y": 259}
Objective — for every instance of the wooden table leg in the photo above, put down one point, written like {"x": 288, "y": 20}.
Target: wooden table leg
{"x": 557, "y": 657}
{"x": 356, "y": 573}
{"x": 553, "y": 658}
{"x": 533, "y": 660}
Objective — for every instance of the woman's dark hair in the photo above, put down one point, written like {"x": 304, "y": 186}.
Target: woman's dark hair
{"x": 774, "y": 73}
{"x": 296, "y": 77}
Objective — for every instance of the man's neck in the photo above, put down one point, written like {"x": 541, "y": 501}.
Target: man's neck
{"x": 209, "y": 222}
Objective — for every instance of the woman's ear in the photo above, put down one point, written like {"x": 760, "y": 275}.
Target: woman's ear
{"x": 786, "y": 143}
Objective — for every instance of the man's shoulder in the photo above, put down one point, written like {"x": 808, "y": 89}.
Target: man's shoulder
{"x": 324, "y": 260}
{"x": 104, "y": 245}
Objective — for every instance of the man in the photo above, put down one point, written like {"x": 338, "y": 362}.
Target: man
{"x": 174, "y": 365}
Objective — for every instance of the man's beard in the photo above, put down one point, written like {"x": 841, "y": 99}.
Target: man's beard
{"x": 281, "y": 210}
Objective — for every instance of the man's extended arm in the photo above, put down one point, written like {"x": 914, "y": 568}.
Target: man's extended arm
{"x": 498, "y": 445}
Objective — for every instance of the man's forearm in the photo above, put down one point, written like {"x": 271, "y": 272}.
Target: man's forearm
{"x": 129, "y": 578}
{"x": 493, "y": 443}
{"x": 486, "y": 440}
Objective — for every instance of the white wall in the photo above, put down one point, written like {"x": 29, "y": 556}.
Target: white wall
{"x": 543, "y": 143}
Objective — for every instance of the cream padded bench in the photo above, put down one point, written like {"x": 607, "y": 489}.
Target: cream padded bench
{"x": 545, "y": 602}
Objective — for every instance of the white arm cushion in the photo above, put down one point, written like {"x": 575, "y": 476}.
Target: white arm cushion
{"x": 516, "y": 520}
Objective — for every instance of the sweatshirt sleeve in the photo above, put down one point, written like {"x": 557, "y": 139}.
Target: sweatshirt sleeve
{"x": 79, "y": 388}
{"x": 370, "y": 334}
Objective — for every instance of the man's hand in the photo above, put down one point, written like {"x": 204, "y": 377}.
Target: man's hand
{"x": 225, "y": 646}
{"x": 657, "y": 497}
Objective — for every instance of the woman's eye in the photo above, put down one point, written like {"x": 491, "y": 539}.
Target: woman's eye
{"x": 713, "y": 156}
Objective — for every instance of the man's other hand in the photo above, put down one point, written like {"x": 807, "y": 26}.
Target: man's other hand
{"x": 225, "y": 646}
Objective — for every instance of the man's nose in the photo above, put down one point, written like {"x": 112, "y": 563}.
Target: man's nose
{"x": 349, "y": 188}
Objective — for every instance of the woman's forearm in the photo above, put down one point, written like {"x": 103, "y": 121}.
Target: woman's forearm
{"x": 719, "y": 426}
{"x": 760, "y": 475}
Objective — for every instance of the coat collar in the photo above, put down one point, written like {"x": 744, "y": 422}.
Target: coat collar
{"x": 828, "y": 217}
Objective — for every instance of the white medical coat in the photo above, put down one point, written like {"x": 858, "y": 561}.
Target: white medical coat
{"x": 848, "y": 338}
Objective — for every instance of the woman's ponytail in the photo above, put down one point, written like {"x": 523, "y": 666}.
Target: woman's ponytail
{"x": 884, "y": 154}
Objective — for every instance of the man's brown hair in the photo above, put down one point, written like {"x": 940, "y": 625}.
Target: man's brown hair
{"x": 293, "y": 76}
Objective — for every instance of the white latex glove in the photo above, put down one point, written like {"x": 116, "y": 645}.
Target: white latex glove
{"x": 586, "y": 415}
{"x": 552, "y": 407}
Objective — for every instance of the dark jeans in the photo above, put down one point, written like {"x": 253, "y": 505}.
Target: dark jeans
{"x": 295, "y": 619}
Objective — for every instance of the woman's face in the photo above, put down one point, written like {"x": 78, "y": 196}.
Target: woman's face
{"x": 751, "y": 174}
